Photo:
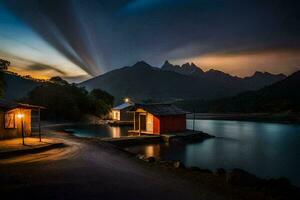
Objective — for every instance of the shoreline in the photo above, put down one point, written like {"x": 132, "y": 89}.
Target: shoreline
{"x": 177, "y": 164}
{"x": 122, "y": 144}
{"x": 92, "y": 158}
{"x": 237, "y": 178}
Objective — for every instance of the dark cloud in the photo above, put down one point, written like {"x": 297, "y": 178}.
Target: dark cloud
{"x": 100, "y": 35}
{"x": 32, "y": 65}
{"x": 42, "y": 67}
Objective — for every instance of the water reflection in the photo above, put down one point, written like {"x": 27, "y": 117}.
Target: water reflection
{"x": 98, "y": 130}
{"x": 115, "y": 132}
{"x": 265, "y": 149}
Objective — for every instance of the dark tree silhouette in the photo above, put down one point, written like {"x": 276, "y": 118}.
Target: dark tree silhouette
{"x": 3, "y": 67}
{"x": 4, "y": 64}
{"x": 66, "y": 101}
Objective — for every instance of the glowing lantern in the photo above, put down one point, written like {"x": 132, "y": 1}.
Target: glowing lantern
{"x": 20, "y": 115}
{"x": 127, "y": 100}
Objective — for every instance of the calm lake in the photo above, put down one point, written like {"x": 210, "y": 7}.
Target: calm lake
{"x": 102, "y": 131}
{"x": 265, "y": 149}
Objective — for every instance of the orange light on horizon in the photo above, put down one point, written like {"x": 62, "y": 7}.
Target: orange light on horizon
{"x": 32, "y": 74}
{"x": 246, "y": 63}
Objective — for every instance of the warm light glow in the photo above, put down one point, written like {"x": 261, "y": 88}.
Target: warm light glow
{"x": 127, "y": 100}
{"x": 116, "y": 132}
{"x": 20, "y": 115}
{"x": 149, "y": 151}
{"x": 116, "y": 115}
{"x": 246, "y": 63}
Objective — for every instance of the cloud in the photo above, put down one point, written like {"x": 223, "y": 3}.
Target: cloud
{"x": 30, "y": 65}
{"x": 60, "y": 27}
{"x": 97, "y": 38}
{"x": 42, "y": 67}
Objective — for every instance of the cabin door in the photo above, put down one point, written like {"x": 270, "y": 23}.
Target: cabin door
{"x": 143, "y": 122}
{"x": 136, "y": 121}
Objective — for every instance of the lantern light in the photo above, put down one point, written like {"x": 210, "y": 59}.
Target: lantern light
{"x": 20, "y": 115}
{"x": 127, "y": 100}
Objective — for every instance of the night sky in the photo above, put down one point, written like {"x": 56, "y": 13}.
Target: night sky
{"x": 78, "y": 39}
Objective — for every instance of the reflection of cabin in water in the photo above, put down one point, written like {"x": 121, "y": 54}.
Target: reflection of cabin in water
{"x": 158, "y": 118}
{"x": 120, "y": 112}
{"x": 15, "y": 119}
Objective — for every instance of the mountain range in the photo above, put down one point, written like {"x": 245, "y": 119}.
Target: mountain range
{"x": 143, "y": 82}
{"x": 282, "y": 96}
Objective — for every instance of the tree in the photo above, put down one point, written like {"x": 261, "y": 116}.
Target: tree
{"x": 58, "y": 80}
{"x": 102, "y": 102}
{"x": 103, "y": 95}
{"x": 4, "y": 64}
{"x": 3, "y": 67}
{"x": 66, "y": 101}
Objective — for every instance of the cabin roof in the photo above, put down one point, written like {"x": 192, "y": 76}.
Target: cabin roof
{"x": 160, "y": 109}
{"x": 5, "y": 104}
{"x": 122, "y": 106}
{"x": 8, "y": 105}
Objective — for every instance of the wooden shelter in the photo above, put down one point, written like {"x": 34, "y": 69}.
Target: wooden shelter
{"x": 15, "y": 119}
{"x": 158, "y": 118}
{"x": 120, "y": 112}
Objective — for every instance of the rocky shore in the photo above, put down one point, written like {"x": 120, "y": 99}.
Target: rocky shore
{"x": 240, "y": 181}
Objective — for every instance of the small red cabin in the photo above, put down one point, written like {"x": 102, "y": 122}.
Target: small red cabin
{"x": 158, "y": 118}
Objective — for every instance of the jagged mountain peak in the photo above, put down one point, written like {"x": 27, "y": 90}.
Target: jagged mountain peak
{"x": 167, "y": 63}
{"x": 141, "y": 64}
{"x": 185, "y": 69}
{"x": 259, "y": 73}
{"x": 194, "y": 65}
{"x": 262, "y": 75}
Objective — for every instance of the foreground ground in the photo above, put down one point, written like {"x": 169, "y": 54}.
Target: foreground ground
{"x": 89, "y": 169}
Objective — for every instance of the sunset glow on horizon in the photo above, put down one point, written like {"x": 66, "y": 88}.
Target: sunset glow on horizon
{"x": 246, "y": 64}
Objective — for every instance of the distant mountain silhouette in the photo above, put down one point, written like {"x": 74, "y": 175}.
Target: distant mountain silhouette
{"x": 282, "y": 96}
{"x": 172, "y": 82}
{"x": 254, "y": 82}
{"x": 185, "y": 69}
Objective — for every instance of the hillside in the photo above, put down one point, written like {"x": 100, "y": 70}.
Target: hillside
{"x": 17, "y": 87}
{"x": 282, "y": 96}
{"x": 142, "y": 82}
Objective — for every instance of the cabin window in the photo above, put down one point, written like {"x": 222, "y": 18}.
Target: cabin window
{"x": 9, "y": 120}
{"x": 117, "y": 115}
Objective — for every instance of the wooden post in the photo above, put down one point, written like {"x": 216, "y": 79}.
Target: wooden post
{"x": 133, "y": 120}
{"x": 139, "y": 124}
{"x": 194, "y": 121}
{"x": 22, "y": 127}
{"x": 39, "y": 118}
